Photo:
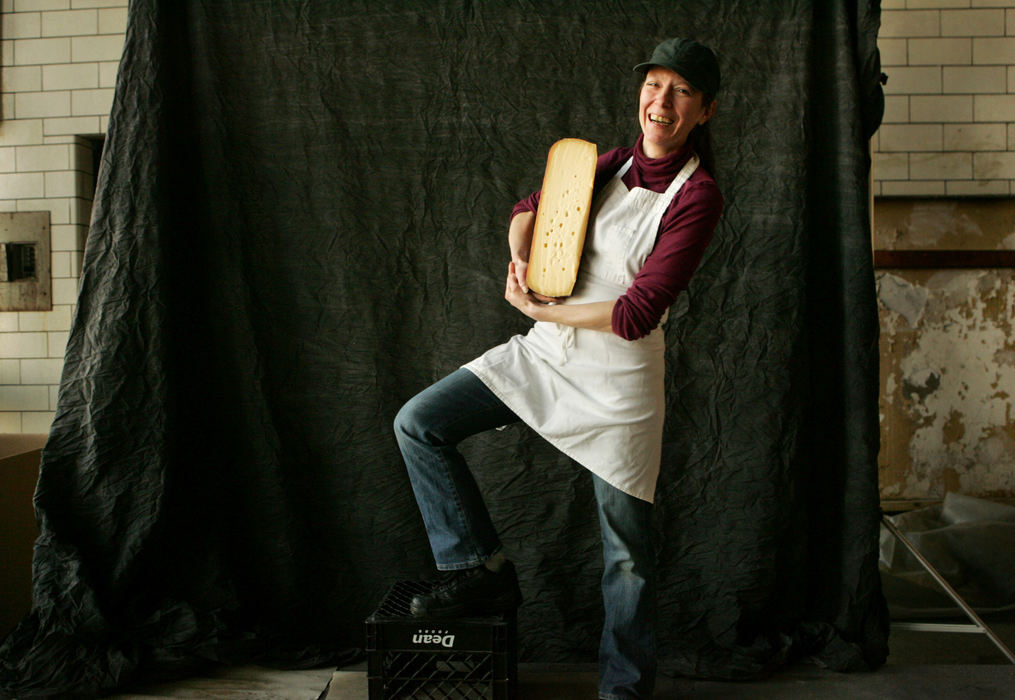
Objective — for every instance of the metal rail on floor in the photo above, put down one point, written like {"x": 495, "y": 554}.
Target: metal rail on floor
{"x": 978, "y": 626}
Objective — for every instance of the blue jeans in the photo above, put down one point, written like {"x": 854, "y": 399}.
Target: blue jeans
{"x": 428, "y": 429}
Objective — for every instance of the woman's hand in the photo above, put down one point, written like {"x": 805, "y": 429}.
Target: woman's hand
{"x": 519, "y": 296}
{"x": 519, "y": 270}
{"x": 519, "y": 241}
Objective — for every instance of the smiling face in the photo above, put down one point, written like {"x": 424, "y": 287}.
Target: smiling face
{"x": 668, "y": 109}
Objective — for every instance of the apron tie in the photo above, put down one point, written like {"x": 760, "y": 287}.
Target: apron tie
{"x": 565, "y": 334}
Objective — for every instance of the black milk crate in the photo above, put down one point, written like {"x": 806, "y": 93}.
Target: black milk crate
{"x": 469, "y": 658}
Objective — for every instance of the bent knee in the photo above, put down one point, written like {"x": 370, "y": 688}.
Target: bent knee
{"x": 414, "y": 421}
{"x": 405, "y": 420}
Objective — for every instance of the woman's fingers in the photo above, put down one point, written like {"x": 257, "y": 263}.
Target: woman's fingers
{"x": 511, "y": 287}
{"x": 520, "y": 270}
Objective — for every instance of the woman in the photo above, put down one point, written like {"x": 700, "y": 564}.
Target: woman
{"x": 588, "y": 377}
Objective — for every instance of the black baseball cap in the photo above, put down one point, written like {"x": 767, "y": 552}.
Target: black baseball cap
{"x": 692, "y": 60}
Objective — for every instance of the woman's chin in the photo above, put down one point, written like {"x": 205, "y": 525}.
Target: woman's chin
{"x": 657, "y": 145}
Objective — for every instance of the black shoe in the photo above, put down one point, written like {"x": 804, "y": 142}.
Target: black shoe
{"x": 470, "y": 592}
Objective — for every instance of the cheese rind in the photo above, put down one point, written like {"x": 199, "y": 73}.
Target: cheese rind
{"x": 562, "y": 217}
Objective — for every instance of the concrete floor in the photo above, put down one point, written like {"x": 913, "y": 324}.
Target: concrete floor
{"x": 804, "y": 682}
{"x": 922, "y": 665}
{"x": 915, "y": 682}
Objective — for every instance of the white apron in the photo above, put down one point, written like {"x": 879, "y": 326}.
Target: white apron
{"x": 597, "y": 397}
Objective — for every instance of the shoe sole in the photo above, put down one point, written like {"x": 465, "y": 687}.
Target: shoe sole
{"x": 488, "y": 610}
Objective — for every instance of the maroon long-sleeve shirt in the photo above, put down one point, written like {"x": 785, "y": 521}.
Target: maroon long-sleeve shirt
{"x": 684, "y": 232}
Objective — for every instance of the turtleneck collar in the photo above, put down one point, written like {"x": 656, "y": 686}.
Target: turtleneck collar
{"x": 667, "y": 166}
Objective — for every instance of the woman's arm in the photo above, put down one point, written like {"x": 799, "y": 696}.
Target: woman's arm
{"x": 520, "y": 242}
{"x": 595, "y": 316}
{"x": 685, "y": 232}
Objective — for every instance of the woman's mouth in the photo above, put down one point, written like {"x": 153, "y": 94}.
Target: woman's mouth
{"x": 656, "y": 119}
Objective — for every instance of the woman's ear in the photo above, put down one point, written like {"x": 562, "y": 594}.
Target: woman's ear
{"x": 709, "y": 112}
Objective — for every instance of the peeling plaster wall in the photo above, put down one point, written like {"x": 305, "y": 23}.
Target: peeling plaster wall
{"x": 947, "y": 354}
{"x": 947, "y": 379}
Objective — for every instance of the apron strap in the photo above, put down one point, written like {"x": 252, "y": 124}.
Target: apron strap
{"x": 624, "y": 168}
{"x": 683, "y": 176}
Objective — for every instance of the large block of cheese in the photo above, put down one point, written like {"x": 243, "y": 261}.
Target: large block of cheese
{"x": 562, "y": 217}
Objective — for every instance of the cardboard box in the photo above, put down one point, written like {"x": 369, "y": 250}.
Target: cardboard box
{"x": 20, "y": 456}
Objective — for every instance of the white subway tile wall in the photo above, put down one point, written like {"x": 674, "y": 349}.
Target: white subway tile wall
{"x": 58, "y": 63}
{"x": 949, "y": 101}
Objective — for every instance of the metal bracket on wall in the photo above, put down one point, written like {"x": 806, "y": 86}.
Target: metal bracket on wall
{"x": 25, "y": 262}
{"x": 978, "y": 626}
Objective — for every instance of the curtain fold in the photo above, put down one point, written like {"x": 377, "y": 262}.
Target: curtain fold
{"x": 300, "y": 222}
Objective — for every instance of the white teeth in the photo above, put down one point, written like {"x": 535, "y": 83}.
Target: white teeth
{"x": 660, "y": 120}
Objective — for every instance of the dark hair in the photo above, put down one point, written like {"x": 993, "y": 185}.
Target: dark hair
{"x": 700, "y": 139}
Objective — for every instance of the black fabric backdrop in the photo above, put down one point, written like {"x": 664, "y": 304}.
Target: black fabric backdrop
{"x": 301, "y": 221}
